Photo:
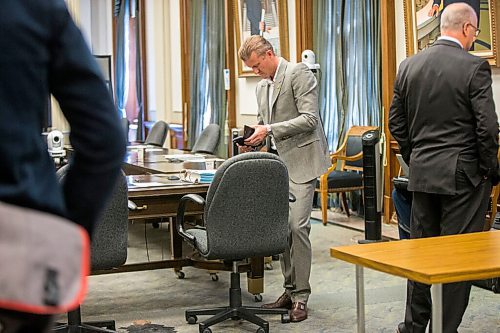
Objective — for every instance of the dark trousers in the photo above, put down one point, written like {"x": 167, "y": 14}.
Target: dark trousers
{"x": 402, "y": 203}
{"x": 436, "y": 215}
{"x": 20, "y": 322}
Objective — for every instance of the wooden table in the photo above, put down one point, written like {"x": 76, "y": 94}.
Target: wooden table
{"x": 433, "y": 261}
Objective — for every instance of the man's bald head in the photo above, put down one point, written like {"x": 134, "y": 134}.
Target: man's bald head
{"x": 459, "y": 20}
{"x": 456, "y": 15}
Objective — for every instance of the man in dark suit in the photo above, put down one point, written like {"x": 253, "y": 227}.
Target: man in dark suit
{"x": 43, "y": 53}
{"x": 443, "y": 118}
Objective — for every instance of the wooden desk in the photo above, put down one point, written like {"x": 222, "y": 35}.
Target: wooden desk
{"x": 434, "y": 261}
{"x": 162, "y": 201}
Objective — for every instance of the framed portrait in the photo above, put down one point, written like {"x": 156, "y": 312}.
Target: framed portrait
{"x": 422, "y": 27}
{"x": 267, "y": 18}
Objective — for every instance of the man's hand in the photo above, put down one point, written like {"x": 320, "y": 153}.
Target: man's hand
{"x": 434, "y": 11}
{"x": 258, "y": 136}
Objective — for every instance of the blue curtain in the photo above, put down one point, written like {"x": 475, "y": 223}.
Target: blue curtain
{"x": 347, "y": 42}
{"x": 216, "y": 53}
{"x": 127, "y": 45}
{"x": 328, "y": 47}
{"x": 198, "y": 70}
{"x": 207, "y": 59}
{"x": 122, "y": 13}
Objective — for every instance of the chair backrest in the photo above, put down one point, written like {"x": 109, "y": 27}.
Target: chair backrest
{"x": 125, "y": 126}
{"x": 110, "y": 238}
{"x": 208, "y": 140}
{"x": 158, "y": 134}
{"x": 246, "y": 210}
{"x": 353, "y": 145}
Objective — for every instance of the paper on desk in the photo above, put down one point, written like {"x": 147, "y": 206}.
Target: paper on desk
{"x": 185, "y": 157}
{"x": 147, "y": 184}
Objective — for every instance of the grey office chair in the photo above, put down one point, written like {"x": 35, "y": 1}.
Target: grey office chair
{"x": 126, "y": 127}
{"x": 108, "y": 250}
{"x": 208, "y": 140}
{"x": 245, "y": 215}
{"x": 158, "y": 134}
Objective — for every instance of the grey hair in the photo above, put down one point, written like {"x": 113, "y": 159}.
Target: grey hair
{"x": 455, "y": 15}
{"x": 257, "y": 44}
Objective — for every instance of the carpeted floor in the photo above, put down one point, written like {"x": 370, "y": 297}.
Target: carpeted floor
{"x": 155, "y": 301}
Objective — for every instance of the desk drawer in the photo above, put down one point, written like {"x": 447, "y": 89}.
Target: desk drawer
{"x": 160, "y": 206}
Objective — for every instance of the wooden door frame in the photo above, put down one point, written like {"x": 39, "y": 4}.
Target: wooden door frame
{"x": 185, "y": 11}
{"x": 388, "y": 56}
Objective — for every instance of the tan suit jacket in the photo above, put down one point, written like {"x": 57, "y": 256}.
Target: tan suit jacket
{"x": 295, "y": 122}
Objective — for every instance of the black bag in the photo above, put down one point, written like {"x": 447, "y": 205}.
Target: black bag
{"x": 400, "y": 183}
{"x": 492, "y": 284}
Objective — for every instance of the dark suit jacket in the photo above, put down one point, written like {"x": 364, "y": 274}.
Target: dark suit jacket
{"x": 443, "y": 111}
{"x": 43, "y": 52}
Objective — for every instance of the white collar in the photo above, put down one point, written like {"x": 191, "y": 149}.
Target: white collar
{"x": 269, "y": 81}
{"x": 451, "y": 39}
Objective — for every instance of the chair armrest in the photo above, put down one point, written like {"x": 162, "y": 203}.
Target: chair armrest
{"x": 335, "y": 158}
{"x": 291, "y": 197}
{"x": 180, "y": 215}
{"x": 132, "y": 205}
{"x": 351, "y": 158}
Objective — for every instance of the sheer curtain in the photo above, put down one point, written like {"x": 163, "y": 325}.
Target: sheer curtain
{"x": 128, "y": 63}
{"x": 207, "y": 94}
{"x": 347, "y": 43}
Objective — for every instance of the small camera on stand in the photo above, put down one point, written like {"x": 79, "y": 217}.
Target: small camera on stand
{"x": 55, "y": 144}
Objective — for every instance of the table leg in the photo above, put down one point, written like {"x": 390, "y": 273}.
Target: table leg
{"x": 437, "y": 307}
{"x": 175, "y": 240}
{"x": 360, "y": 298}
{"x": 255, "y": 277}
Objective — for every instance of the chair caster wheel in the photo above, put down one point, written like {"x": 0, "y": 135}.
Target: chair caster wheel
{"x": 205, "y": 330}
{"x": 180, "y": 274}
{"x": 285, "y": 318}
{"x": 258, "y": 298}
{"x": 214, "y": 277}
{"x": 192, "y": 320}
{"x": 261, "y": 330}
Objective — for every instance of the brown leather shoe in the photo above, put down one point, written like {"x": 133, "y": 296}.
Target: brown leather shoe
{"x": 299, "y": 312}
{"x": 284, "y": 301}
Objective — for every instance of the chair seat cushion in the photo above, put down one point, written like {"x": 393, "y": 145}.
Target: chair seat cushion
{"x": 200, "y": 236}
{"x": 343, "y": 179}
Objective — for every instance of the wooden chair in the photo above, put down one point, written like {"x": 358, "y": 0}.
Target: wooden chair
{"x": 345, "y": 173}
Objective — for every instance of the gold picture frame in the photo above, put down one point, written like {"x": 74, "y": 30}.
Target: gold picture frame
{"x": 421, "y": 30}
{"x": 248, "y": 16}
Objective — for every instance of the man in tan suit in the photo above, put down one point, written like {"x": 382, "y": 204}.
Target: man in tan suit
{"x": 289, "y": 125}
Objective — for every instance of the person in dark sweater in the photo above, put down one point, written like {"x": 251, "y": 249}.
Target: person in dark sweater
{"x": 43, "y": 53}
